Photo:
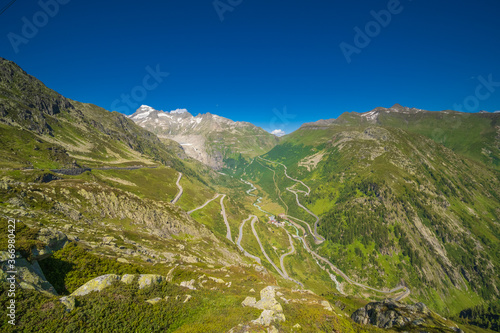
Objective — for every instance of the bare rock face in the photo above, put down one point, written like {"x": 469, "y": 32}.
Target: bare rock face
{"x": 128, "y": 278}
{"x": 268, "y": 316}
{"x": 154, "y": 301}
{"x": 268, "y": 300}
{"x": 249, "y": 301}
{"x": 389, "y": 313}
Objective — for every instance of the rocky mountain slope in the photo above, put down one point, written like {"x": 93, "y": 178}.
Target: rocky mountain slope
{"x": 130, "y": 235}
{"x": 99, "y": 244}
{"x": 211, "y": 139}
{"x": 42, "y": 129}
{"x": 475, "y": 135}
{"x": 396, "y": 206}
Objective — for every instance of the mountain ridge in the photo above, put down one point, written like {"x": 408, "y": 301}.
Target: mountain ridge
{"x": 211, "y": 139}
{"x": 396, "y": 209}
{"x": 475, "y": 135}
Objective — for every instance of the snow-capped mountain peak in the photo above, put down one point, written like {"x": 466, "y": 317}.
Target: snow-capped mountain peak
{"x": 143, "y": 112}
{"x": 205, "y": 137}
{"x": 145, "y": 108}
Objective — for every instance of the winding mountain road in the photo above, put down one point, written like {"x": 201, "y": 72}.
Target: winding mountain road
{"x": 318, "y": 239}
{"x": 282, "y": 259}
{"x": 223, "y": 212}
{"x": 264, "y": 251}
{"x": 276, "y": 185}
{"x": 283, "y": 275}
{"x": 181, "y": 190}
{"x": 403, "y": 295}
{"x": 240, "y": 237}
{"x": 204, "y": 205}
{"x": 286, "y": 174}
{"x": 342, "y": 274}
{"x": 307, "y": 224}
{"x": 316, "y": 236}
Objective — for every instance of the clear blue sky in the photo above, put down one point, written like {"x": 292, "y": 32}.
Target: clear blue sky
{"x": 264, "y": 55}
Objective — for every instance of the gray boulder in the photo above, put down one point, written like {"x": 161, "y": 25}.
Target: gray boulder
{"x": 389, "y": 313}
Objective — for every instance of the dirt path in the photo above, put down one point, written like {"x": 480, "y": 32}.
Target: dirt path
{"x": 181, "y": 190}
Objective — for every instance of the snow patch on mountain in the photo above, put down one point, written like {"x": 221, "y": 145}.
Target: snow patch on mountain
{"x": 198, "y": 134}
{"x": 372, "y": 115}
{"x": 143, "y": 112}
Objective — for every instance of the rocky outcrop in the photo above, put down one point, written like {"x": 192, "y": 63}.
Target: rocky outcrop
{"x": 29, "y": 274}
{"x": 161, "y": 219}
{"x": 54, "y": 239}
{"x": 104, "y": 281}
{"x": 272, "y": 309}
{"x": 154, "y": 301}
{"x": 146, "y": 280}
{"x": 97, "y": 284}
{"x": 68, "y": 302}
{"x": 188, "y": 284}
{"x": 389, "y": 313}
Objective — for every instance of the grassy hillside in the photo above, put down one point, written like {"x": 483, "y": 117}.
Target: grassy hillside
{"x": 396, "y": 207}
{"x": 113, "y": 216}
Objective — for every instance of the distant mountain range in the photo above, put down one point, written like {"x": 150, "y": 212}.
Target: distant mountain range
{"x": 413, "y": 187}
{"x": 475, "y": 135}
{"x": 211, "y": 139}
{"x": 404, "y": 203}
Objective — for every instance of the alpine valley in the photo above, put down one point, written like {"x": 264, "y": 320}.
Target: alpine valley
{"x": 387, "y": 220}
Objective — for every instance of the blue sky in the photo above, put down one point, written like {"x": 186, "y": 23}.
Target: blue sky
{"x": 276, "y": 64}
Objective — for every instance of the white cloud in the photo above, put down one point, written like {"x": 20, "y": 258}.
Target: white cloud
{"x": 278, "y": 132}
{"x": 179, "y": 111}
